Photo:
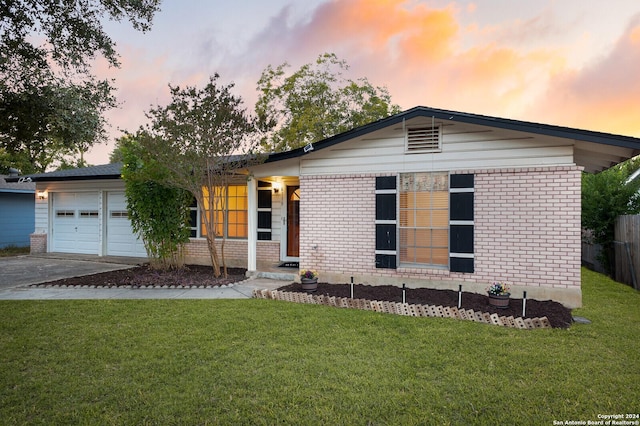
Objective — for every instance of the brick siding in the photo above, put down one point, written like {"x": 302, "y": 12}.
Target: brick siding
{"x": 527, "y": 228}
{"x": 268, "y": 252}
{"x": 38, "y": 243}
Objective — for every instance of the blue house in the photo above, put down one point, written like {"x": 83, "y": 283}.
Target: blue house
{"x": 17, "y": 212}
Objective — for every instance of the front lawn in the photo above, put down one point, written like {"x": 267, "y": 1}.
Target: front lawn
{"x": 266, "y": 362}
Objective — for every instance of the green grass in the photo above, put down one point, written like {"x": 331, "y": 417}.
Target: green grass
{"x": 265, "y": 362}
{"x": 14, "y": 251}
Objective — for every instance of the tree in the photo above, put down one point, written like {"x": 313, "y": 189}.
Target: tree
{"x": 605, "y": 196}
{"x": 50, "y": 103}
{"x": 203, "y": 139}
{"x": 315, "y": 102}
{"x": 158, "y": 213}
{"x": 42, "y": 125}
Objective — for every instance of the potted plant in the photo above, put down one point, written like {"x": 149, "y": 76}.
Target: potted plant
{"x": 309, "y": 280}
{"x": 499, "y": 295}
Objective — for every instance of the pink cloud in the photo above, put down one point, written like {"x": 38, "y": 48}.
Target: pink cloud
{"x": 602, "y": 96}
{"x": 421, "y": 53}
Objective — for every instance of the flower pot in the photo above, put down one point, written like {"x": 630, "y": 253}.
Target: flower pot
{"x": 309, "y": 284}
{"x": 500, "y": 301}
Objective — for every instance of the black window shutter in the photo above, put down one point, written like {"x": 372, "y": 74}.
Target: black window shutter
{"x": 461, "y": 223}
{"x": 386, "y": 222}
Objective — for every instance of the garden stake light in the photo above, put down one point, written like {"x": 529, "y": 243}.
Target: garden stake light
{"x": 404, "y": 290}
{"x": 459, "y": 296}
{"x": 524, "y": 303}
{"x": 352, "y": 287}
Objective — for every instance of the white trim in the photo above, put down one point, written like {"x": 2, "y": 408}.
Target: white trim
{"x": 388, "y": 252}
{"x": 462, "y": 255}
{"x": 461, "y": 222}
{"x": 460, "y": 190}
{"x": 386, "y": 191}
{"x": 386, "y": 222}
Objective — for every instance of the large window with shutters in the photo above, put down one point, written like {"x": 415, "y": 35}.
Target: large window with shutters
{"x": 424, "y": 219}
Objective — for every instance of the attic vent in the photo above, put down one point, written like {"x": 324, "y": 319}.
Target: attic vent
{"x": 423, "y": 139}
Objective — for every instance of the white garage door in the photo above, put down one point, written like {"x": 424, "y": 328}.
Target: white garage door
{"x": 76, "y": 222}
{"x": 121, "y": 241}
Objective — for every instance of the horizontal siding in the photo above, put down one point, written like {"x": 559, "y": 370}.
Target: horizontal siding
{"x": 16, "y": 219}
{"x": 463, "y": 148}
{"x": 42, "y": 216}
{"x": 276, "y": 216}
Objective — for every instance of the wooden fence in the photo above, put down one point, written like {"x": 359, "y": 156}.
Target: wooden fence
{"x": 627, "y": 250}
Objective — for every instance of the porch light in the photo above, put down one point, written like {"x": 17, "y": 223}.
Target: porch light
{"x": 42, "y": 195}
{"x": 276, "y": 187}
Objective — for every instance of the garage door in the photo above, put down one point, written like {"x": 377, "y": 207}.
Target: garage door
{"x": 76, "y": 222}
{"x": 121, "y": 241}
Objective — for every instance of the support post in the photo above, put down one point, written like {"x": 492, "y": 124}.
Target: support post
{"x": 252, "y": 225}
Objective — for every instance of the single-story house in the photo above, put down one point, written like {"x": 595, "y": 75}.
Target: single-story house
{"x": 427, "y": 197}
{"x": 17, "y": 203}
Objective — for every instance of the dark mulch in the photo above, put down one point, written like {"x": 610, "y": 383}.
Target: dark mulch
{"x": 558, "y": 315}
{"x": 145, "y": 276}
{"x": 197, "y": 276}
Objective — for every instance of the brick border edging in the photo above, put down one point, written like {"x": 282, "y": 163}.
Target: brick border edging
{"x": 405, "y": 309}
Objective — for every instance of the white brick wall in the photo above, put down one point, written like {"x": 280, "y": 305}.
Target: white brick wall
{"x": 527, "y": 230}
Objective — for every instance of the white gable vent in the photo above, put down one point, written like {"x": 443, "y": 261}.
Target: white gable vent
{"x": 424, "y": 139}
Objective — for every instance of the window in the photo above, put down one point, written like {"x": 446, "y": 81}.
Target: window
{"x": 236, "y": 223}
{"x": 119, "y": 214}
{"x": 265, "y": 198}
{"x": 88, "y": 213}
{"x": 424, "y": 219}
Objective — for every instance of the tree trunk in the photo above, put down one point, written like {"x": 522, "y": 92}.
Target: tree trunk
{"x": 213, "y": 253}
{"x": 224, "y": 261}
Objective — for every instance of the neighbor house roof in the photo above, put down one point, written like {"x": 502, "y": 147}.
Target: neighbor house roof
{"x": 24, "y": 186}
{"x": 587, "y": 155}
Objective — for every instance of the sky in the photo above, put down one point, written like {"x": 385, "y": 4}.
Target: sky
{"x": 573, "y": 63}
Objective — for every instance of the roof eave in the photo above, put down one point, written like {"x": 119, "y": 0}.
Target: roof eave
{"x": 481, "y": 120}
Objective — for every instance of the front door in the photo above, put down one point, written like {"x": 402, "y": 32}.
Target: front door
{"x": 293, "y": 221}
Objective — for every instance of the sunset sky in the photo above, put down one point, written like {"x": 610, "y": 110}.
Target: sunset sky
{"x": 573, "y": 63}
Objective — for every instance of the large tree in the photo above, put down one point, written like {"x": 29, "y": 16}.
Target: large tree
{"x": 51, "y": 105}
{"x": 605, "y": 196}
{"x": 315, "y": 102}
{"x": 203, "y": 139}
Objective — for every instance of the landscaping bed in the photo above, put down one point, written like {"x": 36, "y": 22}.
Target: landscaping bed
{"x": 558, "y": 315}
{"x": 144, "y": 276}
{"x": 197, "y": 276}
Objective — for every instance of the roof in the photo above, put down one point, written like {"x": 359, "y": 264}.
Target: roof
{"x": 105, "y": 171}
{"x": 24, "y": 186}
{"x": 595, "y": 151}
{"x": 596, "y": 162}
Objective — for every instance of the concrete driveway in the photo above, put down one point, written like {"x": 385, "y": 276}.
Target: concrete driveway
{"x": 17, "y": 271}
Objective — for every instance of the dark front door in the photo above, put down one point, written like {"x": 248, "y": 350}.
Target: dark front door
{"x": 293, "y": 221}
